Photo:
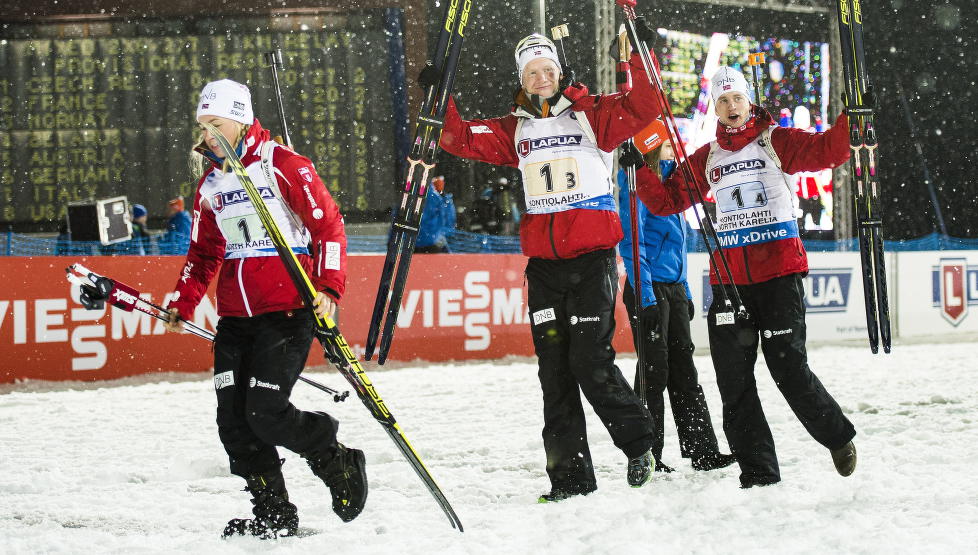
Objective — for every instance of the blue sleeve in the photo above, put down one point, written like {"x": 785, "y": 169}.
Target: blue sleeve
{"x": 625, "y": 247}
{"x": 183, "y": 224}
{"x": 450, "y": 216}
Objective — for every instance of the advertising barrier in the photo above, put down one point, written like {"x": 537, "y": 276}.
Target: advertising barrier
{"x": 455, "y": 307}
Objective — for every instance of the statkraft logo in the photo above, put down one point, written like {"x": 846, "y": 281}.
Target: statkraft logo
{"x": 826, "y": 290}
{"x": 526, "y": 146}
{"x": 955, "y": 288}
{"x": 719, "y": 172}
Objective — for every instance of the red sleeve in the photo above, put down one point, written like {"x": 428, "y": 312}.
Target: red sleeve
{"x": 308, "y": 197}
{"x": 616, "y": 117}
{"x": 204, "y": 257}
{"x": 803, "y": 151}
{"x": 672, "y": 197}
{"x": 485, "y": 140}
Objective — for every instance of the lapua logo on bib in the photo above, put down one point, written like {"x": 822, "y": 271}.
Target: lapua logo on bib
{"x": 526, "y": 146}
{"x": 225, "y": 199}
{"x": 719, "y": 172}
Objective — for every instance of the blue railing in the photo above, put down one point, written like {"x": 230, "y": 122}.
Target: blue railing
{"x": 16, "y": 244}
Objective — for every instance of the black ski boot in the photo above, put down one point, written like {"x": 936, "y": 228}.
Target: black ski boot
{"x": 713, "y": 461}
{"x": 640, "y": 469}
{"x": 559, "y": 494}
{"x": 344, "y": 472}
{"x": 663, "y": 467}
{"x": 275, "y": 516}
{"x": 845, "y": 459}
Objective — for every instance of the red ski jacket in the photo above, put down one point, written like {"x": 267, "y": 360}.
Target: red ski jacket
{"x": 614, "y": 118}
{"x": 256, "y": 285}
{"x": 798, "y": 150}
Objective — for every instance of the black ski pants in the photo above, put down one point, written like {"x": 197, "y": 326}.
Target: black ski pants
{"x": 669, "y": 366}
{"x": 777, "y": 319}
{"x": 571, "y": 304}
{"x": 257, "y": 360}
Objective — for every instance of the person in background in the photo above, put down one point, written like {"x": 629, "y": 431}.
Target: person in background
{"x": 62, "y": 243}
{"x": 140, "y": 237}
{"x": 437, "y": 220}
{"x": 265, "y": 331}
{"x": 667, "y": 309}
{"x": 746, "y": 168}
{"x": 179, "y": 220}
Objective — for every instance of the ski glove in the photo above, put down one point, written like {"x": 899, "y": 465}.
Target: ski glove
{"x": 646, "y": 34}
{"x": 630, "y": 156}
{"x": 691, "y": 306}
{"x": 650, "y": 322}
{"x": 430, "y": 76}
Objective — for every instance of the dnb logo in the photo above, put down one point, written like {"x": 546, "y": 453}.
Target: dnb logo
{"x": 955, "y": 287}
{"x": 826, "y": 290}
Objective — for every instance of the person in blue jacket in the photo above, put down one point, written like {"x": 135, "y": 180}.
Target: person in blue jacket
{"x": 176, "y": 239}
{"x": 667, "y": 309}
{"x": 437, "y": 219}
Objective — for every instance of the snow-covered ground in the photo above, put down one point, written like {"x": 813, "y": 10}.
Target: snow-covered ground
{"x": 136, "y": 467}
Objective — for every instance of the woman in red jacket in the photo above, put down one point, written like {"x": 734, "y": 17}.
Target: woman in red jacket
{"x": 561, "y": 138}
{"x": 264, "y": 333}
{"x": 746, "y": 169}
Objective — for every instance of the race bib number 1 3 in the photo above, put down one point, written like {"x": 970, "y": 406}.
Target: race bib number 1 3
{"x": 552, "y": 176}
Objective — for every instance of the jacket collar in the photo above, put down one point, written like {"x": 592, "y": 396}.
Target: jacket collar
{"x": 524, "y": 107}
{"x": 736, "y": 138}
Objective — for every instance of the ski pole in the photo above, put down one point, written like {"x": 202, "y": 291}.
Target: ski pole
{"x": 692, "y": 182}
{"x": 95, "y": 289}
{"x": 756, "y": 60}
{"x": 274, "y": 61}
{"x": 624, "y": 82}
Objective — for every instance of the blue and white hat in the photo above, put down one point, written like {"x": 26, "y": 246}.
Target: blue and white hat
{"x": 227, "y": 99}
{"x": 727, "y": 79}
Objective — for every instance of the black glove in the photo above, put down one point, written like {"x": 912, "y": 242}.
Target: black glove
{"x": 645, "y": 33}
{"x": 691, "y": 306}
{"x": 650, "y": 322}
{"x": 430, "y": 76}
{"x": 630, "y": 156}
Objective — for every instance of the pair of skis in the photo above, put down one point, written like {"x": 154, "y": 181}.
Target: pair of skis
{"x": 421, "y": 160}
{"x": 860, "y": 102}
{"x": 335, "y": 346}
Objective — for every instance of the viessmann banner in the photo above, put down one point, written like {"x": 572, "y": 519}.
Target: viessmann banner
{"x": 455, "y": 307}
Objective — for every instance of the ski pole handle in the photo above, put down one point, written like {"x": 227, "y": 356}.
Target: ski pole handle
{"x": 623, "y": 71}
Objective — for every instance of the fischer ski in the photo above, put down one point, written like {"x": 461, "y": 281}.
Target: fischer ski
{"x": 335, "y": 347}
{"x": 421, "y": 160}
{"x": 860, "y": 102}
{"x": 95, "y": 290}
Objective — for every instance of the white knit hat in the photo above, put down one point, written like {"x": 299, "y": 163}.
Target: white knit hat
{"x": 532, "y": 47}
{"x": 226, "y": 99}
{"x": 727, "y": 79}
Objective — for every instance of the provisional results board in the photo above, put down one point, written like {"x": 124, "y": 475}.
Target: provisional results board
{"x": 102, "y": 109}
